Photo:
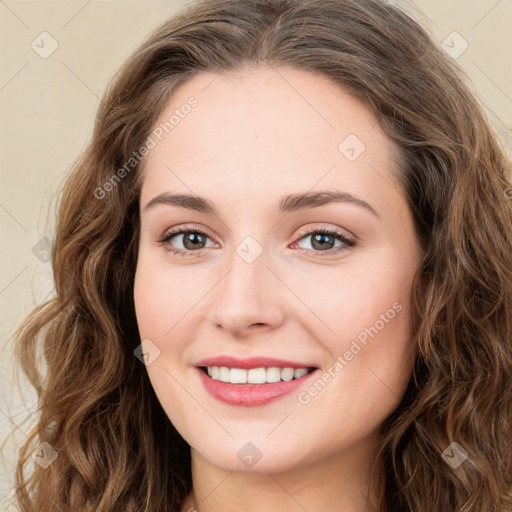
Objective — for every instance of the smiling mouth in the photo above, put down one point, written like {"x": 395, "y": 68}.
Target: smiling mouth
{"x": 262, "y": 375}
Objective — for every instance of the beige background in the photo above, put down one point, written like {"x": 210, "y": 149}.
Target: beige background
{"x": 47, "y": 108}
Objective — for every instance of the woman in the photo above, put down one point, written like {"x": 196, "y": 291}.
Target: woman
{"x": 283, "y": 275}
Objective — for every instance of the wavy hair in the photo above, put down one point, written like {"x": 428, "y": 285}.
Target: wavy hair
{"x": 116, "y": 448}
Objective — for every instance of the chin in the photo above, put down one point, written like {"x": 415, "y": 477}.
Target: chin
{"x": 252, "y": 457}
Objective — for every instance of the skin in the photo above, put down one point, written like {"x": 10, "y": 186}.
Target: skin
{"x": 255, "y": 137}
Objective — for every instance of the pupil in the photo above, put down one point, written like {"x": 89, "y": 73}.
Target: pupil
{"x": 192, "y": 238}
{"x": 320, "y": 239}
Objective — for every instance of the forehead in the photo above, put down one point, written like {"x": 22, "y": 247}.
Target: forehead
{"x": 263, "y": 130}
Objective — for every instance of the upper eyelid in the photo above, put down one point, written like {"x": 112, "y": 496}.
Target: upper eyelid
{"x": 308, "y": 231}
{"x": 302, "y": 232}
{"x": 180, "y": 230}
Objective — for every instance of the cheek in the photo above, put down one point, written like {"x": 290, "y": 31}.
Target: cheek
{"x": 364, "y": 382}
{"x": 169, "y": 308}
{"x": 369, "y": 312}
{"x": 162, "y": 297}
{"x": 343, "y": 303}
{"x": 151, "y": 304}
{"x": 159, "y": 306}
{"x": 366, "y": 328}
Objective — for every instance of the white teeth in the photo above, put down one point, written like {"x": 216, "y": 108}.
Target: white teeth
{"x": 299, "y": 372}
{"x": 273, "y": 374}
{"x": 224, "y": 374}
{"x": 255, "y": 375}
{"x": 287, "y": 373}
{"x": 237, "y": 376}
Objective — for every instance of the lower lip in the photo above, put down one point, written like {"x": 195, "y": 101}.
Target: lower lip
{"x": 250, "y": 395}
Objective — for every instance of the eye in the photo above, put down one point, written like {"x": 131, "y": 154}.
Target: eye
{"x": 192, "y": 240}
{"x": 323, "y": 240}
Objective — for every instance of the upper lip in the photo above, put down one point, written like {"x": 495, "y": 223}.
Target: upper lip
{"x": 251, "y": 362}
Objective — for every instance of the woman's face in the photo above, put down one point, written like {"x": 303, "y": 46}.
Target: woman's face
{"x": 264, "y": 287}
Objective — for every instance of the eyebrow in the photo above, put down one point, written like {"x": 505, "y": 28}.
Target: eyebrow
{"x": 290, "y": 203}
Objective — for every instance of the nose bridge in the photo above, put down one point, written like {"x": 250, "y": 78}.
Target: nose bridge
{"x": 247, "y": 275}
{"x": 245, "y": 295}
{"x": 247, "y": 261}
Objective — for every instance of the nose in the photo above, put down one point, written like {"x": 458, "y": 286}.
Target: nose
{"x": 249, "y": 296}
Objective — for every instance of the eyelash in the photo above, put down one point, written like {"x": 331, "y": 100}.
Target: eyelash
{"x": 347, "y": 242}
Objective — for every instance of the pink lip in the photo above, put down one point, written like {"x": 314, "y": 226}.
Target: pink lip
{"x": 251, "y": 362}
{"x": 249, "y": 395}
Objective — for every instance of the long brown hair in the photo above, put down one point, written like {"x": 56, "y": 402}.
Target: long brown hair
{"x": 116, "y": 448}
